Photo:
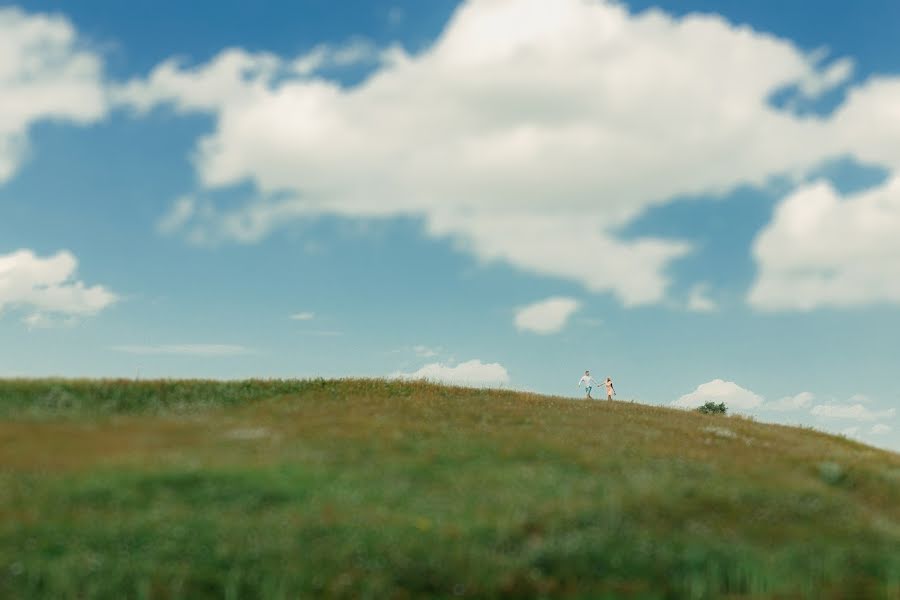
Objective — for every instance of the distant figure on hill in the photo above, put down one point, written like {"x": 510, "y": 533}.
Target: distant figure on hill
{"x": 610, "y": 390}
{"x": 588, "y": 382}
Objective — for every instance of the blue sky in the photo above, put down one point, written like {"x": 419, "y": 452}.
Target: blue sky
{"x": 699, "y": 199}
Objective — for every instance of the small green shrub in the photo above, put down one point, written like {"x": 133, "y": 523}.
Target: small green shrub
{"x": 711, "y": 408}
{"x": 832, "y": 473}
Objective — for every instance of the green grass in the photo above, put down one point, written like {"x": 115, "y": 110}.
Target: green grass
{"x": 386, "y": 489}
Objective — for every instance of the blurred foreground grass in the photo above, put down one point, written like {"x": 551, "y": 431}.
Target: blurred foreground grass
{"x": 387, "y": 489}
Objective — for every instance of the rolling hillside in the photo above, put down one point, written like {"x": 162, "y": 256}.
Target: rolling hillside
{"x": 386, "y": 489}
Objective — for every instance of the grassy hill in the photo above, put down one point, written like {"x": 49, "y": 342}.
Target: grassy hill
{"x": 381, "y": 489}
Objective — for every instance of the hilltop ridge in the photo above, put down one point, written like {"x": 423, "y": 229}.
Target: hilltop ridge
{"x": 343, "y": 488}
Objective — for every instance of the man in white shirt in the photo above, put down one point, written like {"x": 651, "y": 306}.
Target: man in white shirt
{"x": 588, "y": 382}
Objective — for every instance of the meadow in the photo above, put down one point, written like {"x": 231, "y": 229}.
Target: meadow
{"x": 391, "y": 489}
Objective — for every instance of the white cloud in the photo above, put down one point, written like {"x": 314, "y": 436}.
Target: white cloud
{"x": 528, "y": 145}
{"x": 854, "y": 412}
{"x": 303, "y": 316}
{"x": 818, "y": 82}
{"x": 880, "y": 429}
{"x": 489, "y": 137}
{"x": 426, "y": 352}
{"x": 734, "y": 396}
{"x": 179, "y": 214}
{"x": 868, "y": 123}
{"x": 824, "y": 250}
{"x": 699, "y": 300}
{"x": 37, "y": 321}
{"x": 201, "y": 89}
{"x": 323, "y": 56}
{"x": 204, "y": 350}
{"x": 472, "y": 372}
{"x": 47, "y": 287}
{"x": 44, "y": 321}
{"x": 546, "y": 316}
{"x": 45, "y": 74}
{"x": 795, "y": 402}
{"x": 851, "y": 432}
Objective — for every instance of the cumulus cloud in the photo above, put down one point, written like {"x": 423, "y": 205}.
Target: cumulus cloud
{"x": 181, "y": 211}
{"x": 323, "y": 56}
{"x": 818, "y": 82}
{"x": 47, "y": 286}
{"x": 852, "y": 412}
{"x": 880, "y": 429}
{"x": 529, "y": 145}
{"x": 796, "y": 402}
{"x": 852, "y": 432}
{"x": 827, "y": 249}
{"x": 303, "y": 316}
{"x": 45, "y": 74}
{"x": 45, "y": 321}
{"x": 699, "y": 300}
{"x": 205, "y": 350}
{"x": 824, "y": 250}
{"x": 471, "y": 373}
{"x": 734, "y": 396}
{"x": 200, "y": 89}
{"x": 426, "y": 351}
{"x": 547, "y": 316}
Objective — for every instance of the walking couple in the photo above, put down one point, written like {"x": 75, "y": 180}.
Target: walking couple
{"x": 589, "y": 382}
